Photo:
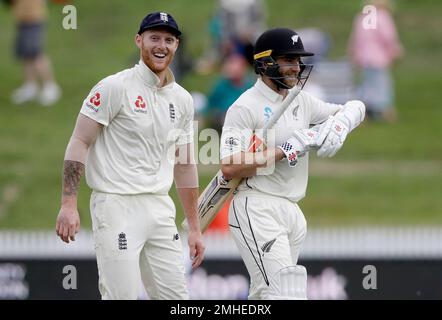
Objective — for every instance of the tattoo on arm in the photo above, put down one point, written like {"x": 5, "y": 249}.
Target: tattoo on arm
{"x": 72, "y": 173}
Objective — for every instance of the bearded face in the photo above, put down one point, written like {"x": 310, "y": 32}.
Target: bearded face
{"x": 157, "y": 47}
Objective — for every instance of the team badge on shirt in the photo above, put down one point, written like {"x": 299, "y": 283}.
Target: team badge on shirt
{"x": 94, "y": 102}
{"x": 268, "y": 246}
{"x": 140, "y": 105}
{"x": 122, "y": 241}
{"x": 172, "y": 112}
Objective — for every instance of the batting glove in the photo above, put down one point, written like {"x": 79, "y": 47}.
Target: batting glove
{"x": 342, "y": 123}
{"x": 336, "y": 136}
{"x": 303, "y": 140}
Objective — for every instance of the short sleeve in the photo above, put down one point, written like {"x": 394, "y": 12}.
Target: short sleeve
{"x": 104, "y": 101}
{"x": 237, "y": 131}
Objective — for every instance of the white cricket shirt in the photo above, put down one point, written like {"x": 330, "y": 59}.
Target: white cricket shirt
{"x": 143, "y": 122}
{"x": 250, "y": 112}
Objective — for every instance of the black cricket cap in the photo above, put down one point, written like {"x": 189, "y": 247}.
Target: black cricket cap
{"x": 159, "y": 19}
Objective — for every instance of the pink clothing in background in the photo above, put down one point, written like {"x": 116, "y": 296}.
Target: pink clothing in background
{"x": 378, "y": 47}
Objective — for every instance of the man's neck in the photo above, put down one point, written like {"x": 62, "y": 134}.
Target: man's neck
{"x": 162, "y": 75}
{"x": 274, "y": 87}
{"x": 163, "y": 78}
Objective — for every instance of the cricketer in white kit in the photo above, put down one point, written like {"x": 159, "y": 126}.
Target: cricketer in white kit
{"x": 265, "y": 220}
{"x": 126, "y": 128}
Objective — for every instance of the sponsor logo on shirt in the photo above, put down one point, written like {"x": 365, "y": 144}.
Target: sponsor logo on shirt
{"x": 231, "y": 143}
{"x": 94, "y": 102}
{"x": 267, "y": 113}
{"x": 140, "y": 105}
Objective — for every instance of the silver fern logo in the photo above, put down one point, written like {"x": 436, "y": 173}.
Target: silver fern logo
{"x": 268, "y": 246}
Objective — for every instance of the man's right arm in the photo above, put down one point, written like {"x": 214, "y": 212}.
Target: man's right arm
{"x": 237, "y": 147}
{"x": 85, "y": 132}
{"x": 246, "y": 164}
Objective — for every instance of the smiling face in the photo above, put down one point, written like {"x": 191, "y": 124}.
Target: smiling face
{"x": 289, "y": 68}
{"x": 157, "y": 48}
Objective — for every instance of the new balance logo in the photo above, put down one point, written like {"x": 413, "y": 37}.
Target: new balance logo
{"x": 268, "y": 246}
{"x": 122, "y": 241}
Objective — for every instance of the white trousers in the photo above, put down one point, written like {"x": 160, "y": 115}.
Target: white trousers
{"x": 136, "y": 237}
{"x": 268, "y": 232}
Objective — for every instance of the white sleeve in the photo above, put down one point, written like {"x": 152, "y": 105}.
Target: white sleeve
{"x": 237, "y": 131}
{"x": 352, "y": 114}
{"x": 104, "y": 101}
{"x": 319, "y": 110}
{"x": 186, "y": 132}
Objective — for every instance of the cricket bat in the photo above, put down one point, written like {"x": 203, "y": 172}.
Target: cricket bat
{"x": 219, "y": 189}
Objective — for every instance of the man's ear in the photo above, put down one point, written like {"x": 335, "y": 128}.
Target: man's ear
{"x": 138, "y": 40}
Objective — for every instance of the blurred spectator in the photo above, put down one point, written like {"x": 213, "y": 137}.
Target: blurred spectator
{"x": 39, "y": 82}
{"x": 229, "y": 86}
{"x": 242, "y": 21}
{"x": 182, "y": 62}
{"x": 233, "y": 29}
{"x": 319, "y": 42}
{"x": 213, "y": 52}
{"x": 316, "y": 41}
{"x": 374, "y": 50}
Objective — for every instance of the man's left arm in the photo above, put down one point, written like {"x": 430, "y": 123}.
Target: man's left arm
{"x": 186, "y": 182}
{"x": 338, "y": 126}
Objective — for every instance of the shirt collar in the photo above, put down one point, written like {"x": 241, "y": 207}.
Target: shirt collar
{"x": 267, "y": 91}
{"x": 150, "y": 78}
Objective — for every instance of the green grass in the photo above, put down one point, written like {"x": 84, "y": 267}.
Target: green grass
{"x": 372, "y": 199}
{"x": 33, "y": 139}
